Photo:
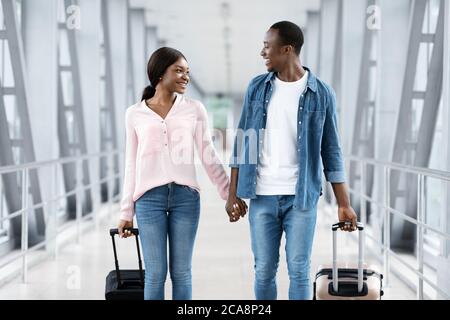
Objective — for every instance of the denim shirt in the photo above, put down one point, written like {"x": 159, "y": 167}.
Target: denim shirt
{"x": 317, "y": 138}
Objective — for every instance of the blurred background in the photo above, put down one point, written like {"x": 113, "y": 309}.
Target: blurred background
{"x": 69, "y": 69}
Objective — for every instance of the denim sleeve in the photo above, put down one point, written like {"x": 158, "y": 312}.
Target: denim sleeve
{"x": 331, "y": 153}
{"x": 241, "y": 126}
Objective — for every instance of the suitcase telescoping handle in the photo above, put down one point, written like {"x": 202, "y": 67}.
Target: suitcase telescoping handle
{"x": 134, "y": 231}
{"x": 360, "y": 228}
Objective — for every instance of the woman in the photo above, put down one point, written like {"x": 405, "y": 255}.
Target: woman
{"x": 160, "y": 185}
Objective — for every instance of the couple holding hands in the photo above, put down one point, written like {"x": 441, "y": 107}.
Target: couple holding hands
{"x": 287, "y": 131}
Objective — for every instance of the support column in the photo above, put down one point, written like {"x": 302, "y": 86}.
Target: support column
{"x": 88, "y": 40}
{"x": 39, "y": 25}
{"x": 151, "y": 43}
{"x": 328, "y": 23}
{"x": 138, "y": 51}
{"x": 353, "y": 35}
{"x": 444, "y": 257}
{"x": 446, "y": 129}
{"x": 395, "y": 17}
{"x": 118, "y": 19}
{"x": 311, "y": 47}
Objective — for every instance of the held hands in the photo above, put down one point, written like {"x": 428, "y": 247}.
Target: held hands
{"x": 122, "y": 225}
{"x": 347, "y": 214}
{"x": 236, "y": 208}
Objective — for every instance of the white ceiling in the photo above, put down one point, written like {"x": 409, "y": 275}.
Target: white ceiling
{"x": 196, "y": 28}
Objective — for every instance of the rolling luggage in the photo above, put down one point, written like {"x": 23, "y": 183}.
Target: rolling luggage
{"x": 125, "y": 284}
{"x": 347, "y": 281}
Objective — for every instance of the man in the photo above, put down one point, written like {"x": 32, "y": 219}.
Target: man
{"x": 289, "y": 120}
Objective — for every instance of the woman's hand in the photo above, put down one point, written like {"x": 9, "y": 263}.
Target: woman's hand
{"x": 122, "y": 225}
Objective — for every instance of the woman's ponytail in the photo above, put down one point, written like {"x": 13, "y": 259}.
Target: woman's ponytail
{"x": 148, "y": 93}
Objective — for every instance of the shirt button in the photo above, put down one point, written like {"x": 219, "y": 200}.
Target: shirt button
{"x": 164, "y": 132}
{"x": 300, "y": 122}
{"x": 267, "y": 101}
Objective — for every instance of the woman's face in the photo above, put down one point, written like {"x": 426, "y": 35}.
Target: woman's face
{"x": 176, "y": 77}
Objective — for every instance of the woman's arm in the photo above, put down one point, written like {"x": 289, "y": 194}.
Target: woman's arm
{"x": 127, "y": 204}
{"x": 208, "y": 154}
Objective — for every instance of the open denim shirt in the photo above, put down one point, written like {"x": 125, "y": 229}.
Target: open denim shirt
{"x": 317, "y": 137}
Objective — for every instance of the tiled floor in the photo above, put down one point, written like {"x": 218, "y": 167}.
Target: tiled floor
{"x": 222, "y": 263}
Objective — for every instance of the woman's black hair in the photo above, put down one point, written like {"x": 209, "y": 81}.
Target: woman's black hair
{"x": 160, "y": 60}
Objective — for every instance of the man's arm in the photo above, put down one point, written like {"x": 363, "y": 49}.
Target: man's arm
{"x": 334, "y": 164}
{"x": 340, "y": 192}
{"x": 235, "y": 207}
{"x": 345, "y": 211}
{"x": 233, "y": 180}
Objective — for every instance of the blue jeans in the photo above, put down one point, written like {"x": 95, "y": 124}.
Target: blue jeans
{"x": 269, "y": 216}
{"x": 168, "y": 213}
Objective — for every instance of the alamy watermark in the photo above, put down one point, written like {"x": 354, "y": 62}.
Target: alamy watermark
{"x": 373, "y": 21}
{"x": 73, "y": 281}
{"x": 73, "y": 21}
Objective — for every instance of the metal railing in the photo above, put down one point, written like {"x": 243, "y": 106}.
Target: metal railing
{"x": 422, "y": 227}
{"x": 51, "y": 203}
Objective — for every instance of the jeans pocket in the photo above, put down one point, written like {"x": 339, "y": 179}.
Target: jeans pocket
{"x": 190, "y": 190}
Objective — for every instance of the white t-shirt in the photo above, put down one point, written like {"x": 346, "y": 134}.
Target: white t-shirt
{"x": 277, "y": 170}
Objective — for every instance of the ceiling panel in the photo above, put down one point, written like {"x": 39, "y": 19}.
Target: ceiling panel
{"x": 197, "y": 29}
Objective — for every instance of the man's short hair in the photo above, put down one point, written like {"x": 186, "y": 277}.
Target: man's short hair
{"x": 290, "y": 34}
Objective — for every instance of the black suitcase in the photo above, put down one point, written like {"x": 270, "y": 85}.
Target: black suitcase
{"x": 125, "y": 284}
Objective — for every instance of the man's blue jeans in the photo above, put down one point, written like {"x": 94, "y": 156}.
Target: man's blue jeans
{"x": 269, "y": 216}
{"x": 168, "y": 213}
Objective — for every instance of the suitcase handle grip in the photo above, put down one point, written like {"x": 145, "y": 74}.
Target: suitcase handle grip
{"x": 341, "y": 224}
{"x": 115, "y": 231}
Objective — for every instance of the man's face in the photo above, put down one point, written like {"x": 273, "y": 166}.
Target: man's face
{"x": 273, "y": 54}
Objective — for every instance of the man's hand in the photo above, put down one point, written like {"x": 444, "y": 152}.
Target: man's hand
{"x": 235, "y": 207}
{"x": 347, "y": 214}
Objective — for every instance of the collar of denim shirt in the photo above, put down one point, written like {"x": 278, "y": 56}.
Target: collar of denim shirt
{"x": 311, "y": 84}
